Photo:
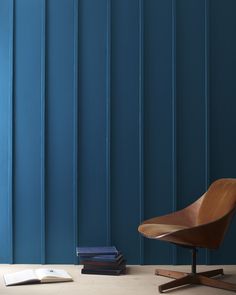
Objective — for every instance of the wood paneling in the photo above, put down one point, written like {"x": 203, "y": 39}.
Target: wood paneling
{"x": 111, "y": 112}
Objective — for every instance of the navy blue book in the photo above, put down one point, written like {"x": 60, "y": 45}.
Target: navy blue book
{"x": 114, "y": 272}
{"x": 94, "y": 251}
{"x": 102, "y": 259}
{"x": 104, "y": 265}
{"x": 108, "y": 257}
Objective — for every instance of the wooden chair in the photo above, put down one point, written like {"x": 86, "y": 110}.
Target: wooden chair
{"x": 202, "y": 224}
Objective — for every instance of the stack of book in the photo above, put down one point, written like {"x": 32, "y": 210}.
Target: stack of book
{"x": 101, "y": 260}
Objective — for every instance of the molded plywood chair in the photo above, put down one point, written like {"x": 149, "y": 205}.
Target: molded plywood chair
{"x": 202, "y": 224}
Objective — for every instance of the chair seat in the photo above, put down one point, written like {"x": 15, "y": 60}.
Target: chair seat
{"x": 153, "y": 230}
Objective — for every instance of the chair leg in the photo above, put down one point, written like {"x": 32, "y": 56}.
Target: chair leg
{"x": 170, "y": 273}
{"x": 216, "y": 283}
{"x": 176, "y": 283}
{"x": 212, "y": 273}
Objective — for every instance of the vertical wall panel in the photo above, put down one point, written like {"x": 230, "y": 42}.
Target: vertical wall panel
{"x": 157, "y": 120}
{"x": 27, "y": 178}
{"x": 92, "y": 122}
{"x": 190, "y": 83}
{"x": 60, "y": 132}
{"x": 6, "y": 104}
{"x": 125, "y": 127}
{"x": 222, "y": 107}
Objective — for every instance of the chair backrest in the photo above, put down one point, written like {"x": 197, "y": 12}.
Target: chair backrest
{"x": 219, "y": 200}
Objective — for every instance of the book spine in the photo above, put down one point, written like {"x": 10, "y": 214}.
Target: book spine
{"x": 102, "y": 272}
{"x": 104, "y": 267}
{"x": 93, "y": 251}
{"x": 98, "y": 260}
{"x": 81, "y": 254}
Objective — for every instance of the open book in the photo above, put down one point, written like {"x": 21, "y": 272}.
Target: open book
{"x": 36, "y": 276}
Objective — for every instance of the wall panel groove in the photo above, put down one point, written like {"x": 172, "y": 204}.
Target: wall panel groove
{"x": 207, "y": 105}
{"x": 11, "y": 131}
{"x": 108, "y": 122}
{"x": 174, "y": 121}
{"x": 141, "y": 129}
{"x": 43, "y": 98}
{"x": 75, "y": 127}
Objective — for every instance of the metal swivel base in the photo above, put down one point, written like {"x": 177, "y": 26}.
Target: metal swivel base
{"x": 201, "y": 278}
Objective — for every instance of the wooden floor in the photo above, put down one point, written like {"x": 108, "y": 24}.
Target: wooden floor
{"x": 139, "y": 280}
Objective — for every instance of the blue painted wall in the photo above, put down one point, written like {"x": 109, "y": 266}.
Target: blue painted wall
{"x": 111, "y": 112}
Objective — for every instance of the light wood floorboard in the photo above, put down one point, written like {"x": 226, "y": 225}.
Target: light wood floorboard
{"x": 139, "y": 280}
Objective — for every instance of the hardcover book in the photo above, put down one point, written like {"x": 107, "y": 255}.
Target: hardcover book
{"x": 114, "y": 272}
{"x": 112, "y": 259}
{"x": 105, "y": 266}
{"x": 94, "y": 251}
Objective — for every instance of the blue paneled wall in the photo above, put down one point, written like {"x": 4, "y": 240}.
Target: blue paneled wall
{"x": 111, "y": 112}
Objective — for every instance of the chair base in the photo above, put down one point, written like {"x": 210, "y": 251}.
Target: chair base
{"x": 201, "y": 278}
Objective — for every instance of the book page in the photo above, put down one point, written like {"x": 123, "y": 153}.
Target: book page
{"x": 46, "y": 275}
{"x": 21, "y": 277}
